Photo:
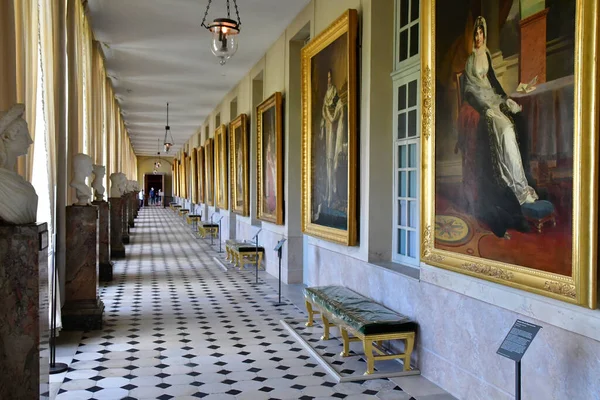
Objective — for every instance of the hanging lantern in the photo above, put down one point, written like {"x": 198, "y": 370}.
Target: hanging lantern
{"x": 168, "y": 141}
{"x": 224, "y": 31}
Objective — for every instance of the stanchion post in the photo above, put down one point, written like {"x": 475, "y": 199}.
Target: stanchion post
{"x": 518, "y": 380}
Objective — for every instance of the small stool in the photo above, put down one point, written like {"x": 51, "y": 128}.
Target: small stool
{"x": 538, "y": 213}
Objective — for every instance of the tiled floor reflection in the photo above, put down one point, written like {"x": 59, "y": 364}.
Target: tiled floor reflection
{"x": 177, "y": 326}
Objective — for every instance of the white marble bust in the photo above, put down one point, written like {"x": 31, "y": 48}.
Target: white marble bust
{"x": 99, "y": 172}
{"x": 82, "y": 169}
{"x": 130, "y": 186}
{"x": 118, "y": 182}
{"x": 18, "y": 204}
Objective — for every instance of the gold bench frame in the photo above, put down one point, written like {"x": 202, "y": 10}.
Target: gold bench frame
{"x": 370, "y": 342}
{"x": 208, "y": 230}
{"x": 190, "y": 220}
{"x": 239, "y": 258}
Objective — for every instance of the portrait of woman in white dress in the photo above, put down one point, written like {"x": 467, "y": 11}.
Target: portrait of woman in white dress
{"x": 504, "y": 180}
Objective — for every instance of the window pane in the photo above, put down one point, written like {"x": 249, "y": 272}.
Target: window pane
{"x": 403, "y": 45}
{"x": 414, "y": 40}
{"x": 413, "y": 216}
{"x": 402, "y": 156}
{"x": 412, "y": 123}
{"x": 414, "y": 10}
{"x": 412, "y": 244}
{"x": 401, "y": 126}
{"x": 402, "y": 98}
{"x": 402, "y": 184}
{"x": 412, "y": 94}
{"x": 412, "y": 184}
{"x": 412, "y": 155}
{"x": 402, "y": 212}
{"x": 403, "y": 12}
{"x": 402, "y": 241}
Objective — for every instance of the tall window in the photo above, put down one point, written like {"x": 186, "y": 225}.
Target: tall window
{"x": 407, "y": 30}
{"x": 407, "y": 136}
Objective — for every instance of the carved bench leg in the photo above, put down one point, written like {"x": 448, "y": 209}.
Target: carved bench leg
{"x": 259, "y": 261}
{"x": 310, "y": 312}
{"x": 410, "y": 342}
{"x": 368, "y": 348}
{"x": 326, "y": 326}
{"x": 346, "y": 350}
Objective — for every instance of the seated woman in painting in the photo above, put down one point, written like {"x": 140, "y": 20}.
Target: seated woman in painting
{"x": 504, "y": 182}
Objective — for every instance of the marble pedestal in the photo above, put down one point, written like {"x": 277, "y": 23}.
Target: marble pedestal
{"x": 131, "y": 207}
{"x": 117, "y": 250}
{"x": 125, "y": 218}
{"x": 136, "y": 203}
{"x": 83, "y": 308}
{"x": 24, "y": 362}
{"x": 105, "y": 267}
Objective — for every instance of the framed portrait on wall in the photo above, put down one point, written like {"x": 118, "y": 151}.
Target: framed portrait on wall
{"x": 200, "y": 168}
{"x": 221, "y": 173}
{"x": 239, "y": 161}
{"x": 329, "y": 135}
{"x": 183, "y": 175}
{"x": 269, "y": 124}
{"x": 209, "y": 171}
{"x": 194, "y": 176}
{"x": 510, "y": 137}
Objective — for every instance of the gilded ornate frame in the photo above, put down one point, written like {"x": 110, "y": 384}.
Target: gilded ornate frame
{"x": 200, "y": 168}
{"x": 221, "y": 191}
{"x": 581, "y": 287}
{"x": 240, "y": 122}
{"x": 194, "y": 175}
{"x": 209, "y": 171}
{"x": 274, "y": 101}
{"x": 183, "y": 176}
{"x": 346, "y": 23}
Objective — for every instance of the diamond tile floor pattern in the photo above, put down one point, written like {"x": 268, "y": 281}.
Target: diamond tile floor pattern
{"x": 177, "y": 326}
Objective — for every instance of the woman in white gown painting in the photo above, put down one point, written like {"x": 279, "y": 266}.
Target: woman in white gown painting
{"x": 504, "y": 179}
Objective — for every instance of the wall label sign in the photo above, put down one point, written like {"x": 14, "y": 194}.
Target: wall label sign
{"x": 518, "y": 339}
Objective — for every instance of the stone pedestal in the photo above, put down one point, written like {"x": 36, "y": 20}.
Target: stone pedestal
{"x": 24, "y": 311}
{"x": 105, "y": 267}
{"x": 136, "y": 203}
{"x": 131, "y": 207}
{"x": 125, "y": 218}
{"x": 117, "y": 250}
{"x": 83, "y": 308}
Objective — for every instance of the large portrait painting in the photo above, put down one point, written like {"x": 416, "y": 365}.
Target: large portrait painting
{"x": 194, "y": 176}
{"x": 221, "y": 173}
{"x": 200, "y": 168}
{"x": 209, "y": 171}
{"x": 269, "y": 123}
{"x": 329, "y": 137}
{"x": 238, "y": 131}
{"x": 509, "y": 137}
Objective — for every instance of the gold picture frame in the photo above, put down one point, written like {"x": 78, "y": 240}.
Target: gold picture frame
{"x": 269, "y": 163}
{"x": 221, "y": 170}
{"x": 239, "y": 162}
{"x": 194, "y": 176}
{"x": 329, "y": 85}
{"x": 174, "y": 177}
{"x": 201, "y": 176}
{"x": 579, "y": 284}
{"x": 209, "y": 171}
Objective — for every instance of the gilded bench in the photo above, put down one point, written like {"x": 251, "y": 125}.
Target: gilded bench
{"x": 368, "y": 322}
{"x": 239, "y": 253}
{"x": 206, "y": 228}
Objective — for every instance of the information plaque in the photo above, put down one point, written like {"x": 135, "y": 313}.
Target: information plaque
{"x": 279, "y": 244}
{"x": 517, "y": 341}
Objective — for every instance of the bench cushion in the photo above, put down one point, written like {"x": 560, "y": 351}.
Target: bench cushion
{"x": 359, "y": 312}
{"x": 194, "y": 215}
{"x": 209, "y": 225}
{"x": 538, "y": 210}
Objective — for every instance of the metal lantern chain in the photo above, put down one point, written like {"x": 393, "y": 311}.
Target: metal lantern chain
{"x": 237, "y": 13}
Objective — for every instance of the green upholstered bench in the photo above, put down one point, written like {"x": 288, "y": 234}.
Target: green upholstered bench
{"x": 239, "y": 252}
{"x": 205, "y": 228}
{"x": 366, "y": 320}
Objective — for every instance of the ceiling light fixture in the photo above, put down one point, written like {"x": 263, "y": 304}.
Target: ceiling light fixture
{"x": 157, "y": 163}
{"x": 168, "y": 142}
{"x": 224, "y": 33}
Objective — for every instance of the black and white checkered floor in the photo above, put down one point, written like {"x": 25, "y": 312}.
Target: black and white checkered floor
{"x": 177, "y": 326}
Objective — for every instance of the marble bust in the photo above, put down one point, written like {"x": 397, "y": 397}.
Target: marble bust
{"x": 82, "y": 169}
{"x": 118, "y": 182}
{"x": 99, "y": 172}
{"x": 130, "y": 187}
{"x": 19, "y": 205}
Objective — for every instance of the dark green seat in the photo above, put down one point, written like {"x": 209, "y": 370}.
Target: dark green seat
{"x": 359, "y": 312}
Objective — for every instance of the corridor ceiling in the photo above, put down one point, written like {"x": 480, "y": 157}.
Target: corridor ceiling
{"x": 157, "y": 52}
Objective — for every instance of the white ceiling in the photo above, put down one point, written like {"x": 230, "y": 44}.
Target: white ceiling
{"x": 157, "y": 52}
